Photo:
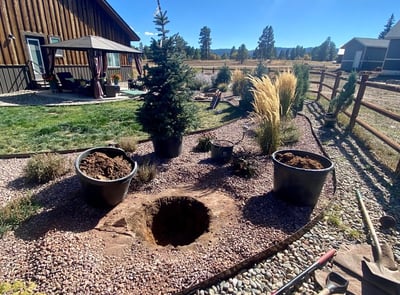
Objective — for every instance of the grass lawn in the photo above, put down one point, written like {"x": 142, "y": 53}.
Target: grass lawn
{"x": 52, "y": 128}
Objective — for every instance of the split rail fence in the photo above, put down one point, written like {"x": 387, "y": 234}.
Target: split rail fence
{"x": 334, "y": 87}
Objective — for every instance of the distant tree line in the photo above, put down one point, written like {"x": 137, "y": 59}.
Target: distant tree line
{"x": 265, "y": 49}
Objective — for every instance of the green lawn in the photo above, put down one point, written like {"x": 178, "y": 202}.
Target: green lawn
{"x": 53, "y": 128}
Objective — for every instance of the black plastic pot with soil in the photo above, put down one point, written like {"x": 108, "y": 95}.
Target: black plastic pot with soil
{"x": 105, "y": 174}
{"x": 299, "y": 176}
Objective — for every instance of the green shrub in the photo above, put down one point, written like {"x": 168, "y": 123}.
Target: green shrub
{"x": 204, "y": 143}
{"x": 301, "y": 71}
{"x": 200, "y": 82}
{"x": 260, "y": 70}
{"x": 243, "y": 167}
{"x": 223, "y": 76}
{"x": 16, "y": 212}
{"x": 246, "y": 97}
{"x": 42, "y": 168}
{"x": 128, "y": 144}
{"x": 346, "y": 96}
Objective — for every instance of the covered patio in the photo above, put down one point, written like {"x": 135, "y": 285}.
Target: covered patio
{"x": 96, "y": 48}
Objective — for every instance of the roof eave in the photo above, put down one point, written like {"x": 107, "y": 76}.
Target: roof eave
{"x": 119, "y": 19}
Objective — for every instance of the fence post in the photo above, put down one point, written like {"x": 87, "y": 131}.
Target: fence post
{"x": 357, "y": 103}
{"x": 336, "y": 84}
{"x": 321, "y": 81}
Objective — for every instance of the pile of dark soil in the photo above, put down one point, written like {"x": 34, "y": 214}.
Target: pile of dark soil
{"x": 100, "y": 166}
{"x": 298, "y": 161}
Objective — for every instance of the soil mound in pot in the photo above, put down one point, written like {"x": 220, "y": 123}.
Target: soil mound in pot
{"x": 298, "y": 161}
{"x": 98, "y": 165}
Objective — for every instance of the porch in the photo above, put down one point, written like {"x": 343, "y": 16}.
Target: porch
{"x": 47, "y": 97}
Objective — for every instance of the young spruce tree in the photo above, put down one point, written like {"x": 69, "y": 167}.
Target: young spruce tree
{"x": 168, "y": 110}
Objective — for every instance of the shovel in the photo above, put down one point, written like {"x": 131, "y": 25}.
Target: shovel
{"x": 317, "y": 264}
{"x": 385, "y": 269}
{"x": 335, "y": 283}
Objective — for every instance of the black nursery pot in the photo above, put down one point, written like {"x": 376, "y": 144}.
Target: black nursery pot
{"x": 221, "y": 150}
{"x": 299, "y": 186}
{"x": 167, "y": 147}
{"x": 105, "y": 192}
{"x": 329, "y": 120}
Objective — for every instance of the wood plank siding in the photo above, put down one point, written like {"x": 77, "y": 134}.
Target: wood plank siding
{"x": 43, "y": 19}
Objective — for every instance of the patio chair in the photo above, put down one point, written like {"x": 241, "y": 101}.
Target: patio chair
{"x": 67, "y": 81}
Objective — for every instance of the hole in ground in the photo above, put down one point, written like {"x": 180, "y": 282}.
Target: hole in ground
{"x": 178, "y": 221}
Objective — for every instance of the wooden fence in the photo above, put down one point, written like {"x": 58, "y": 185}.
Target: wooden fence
{"x": 354, "y": 114}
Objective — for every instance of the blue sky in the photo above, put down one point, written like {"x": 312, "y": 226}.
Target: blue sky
{"x": 307, "y": 23}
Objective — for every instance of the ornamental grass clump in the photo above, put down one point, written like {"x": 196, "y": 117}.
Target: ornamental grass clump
{"x": 128, "y": 143}
{"x": 42, "y": 168}
{"x": 238, "y": 82}
{"x": 266, "y": 113}
{"x": 204, "y": 143}
{"x": 15, "y": 212}
{"x": 286, "y": 86}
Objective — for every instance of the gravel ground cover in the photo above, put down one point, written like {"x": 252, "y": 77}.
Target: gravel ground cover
{"x": 356, "y": 168}
{"x": 64, "y": 251}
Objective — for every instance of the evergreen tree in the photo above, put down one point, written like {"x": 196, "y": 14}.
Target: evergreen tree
{"x": 242, "y": 53}
{"x": 224, "y": 56}
{"x": 292, "y": 54}
{"x": 387, "y": 27}
{"x": 325, "y": 52}
{"x": 233, "y": 53}
{"x": 266, "y": 44}
{"x": 181, "y": 45}
{"x": 205, "y": 42}
{"x": 167, "y": 111}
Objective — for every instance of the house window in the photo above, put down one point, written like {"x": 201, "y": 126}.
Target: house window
{"x": 55, "y": 39}
{"x": 113, "y": 60}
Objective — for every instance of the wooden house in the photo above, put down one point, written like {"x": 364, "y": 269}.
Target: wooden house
{"x": 391, "y": 65}
{"x": 363, "y": 54}
{"x": 27, "y": 25}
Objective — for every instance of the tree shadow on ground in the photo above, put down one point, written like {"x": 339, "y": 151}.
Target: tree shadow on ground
{"x": 214, "y": 179}
{"x": 64, "y": 208}
{"x": 269, "y": 211}
{"x": 362, "y": 159}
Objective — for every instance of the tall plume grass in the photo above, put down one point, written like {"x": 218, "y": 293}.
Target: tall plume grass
{"x": 238, "y": 82}
{"x": 267, "y": 113}
{"x": 286, "y": 85}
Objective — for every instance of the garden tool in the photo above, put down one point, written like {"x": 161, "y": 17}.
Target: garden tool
{"x": 335, "y": 283}
{"x": 318, "y": 264}
{"x": 384, "y": 266}
{"x": 349, "y": 262}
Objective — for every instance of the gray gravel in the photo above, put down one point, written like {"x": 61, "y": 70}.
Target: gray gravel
{"x": 355, "y": 169}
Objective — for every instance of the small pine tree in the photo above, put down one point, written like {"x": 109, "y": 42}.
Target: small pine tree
{"x": 301, "y": 71}
{"x": 223, "y": 76}
{"x": 167, "y": 111}
{"x": 346, "y": 96}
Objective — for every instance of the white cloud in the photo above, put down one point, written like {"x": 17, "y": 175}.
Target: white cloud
{"x": 149, "y": 34}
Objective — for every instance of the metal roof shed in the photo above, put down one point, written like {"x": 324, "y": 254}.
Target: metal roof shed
{"x": 391, "y": 65}
{"x": 364, "y": 54}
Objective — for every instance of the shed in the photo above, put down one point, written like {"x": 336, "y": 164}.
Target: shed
{"x": 363, "y": 54}
{"x": 391, "y": 65}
